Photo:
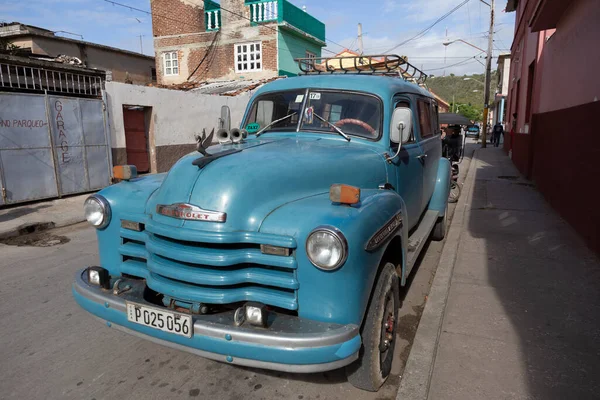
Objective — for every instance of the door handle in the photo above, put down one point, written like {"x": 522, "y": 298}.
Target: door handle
{"x": 422, "y": 156}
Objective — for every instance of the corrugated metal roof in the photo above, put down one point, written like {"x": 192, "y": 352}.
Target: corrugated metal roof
{"x": 232, "y": 88}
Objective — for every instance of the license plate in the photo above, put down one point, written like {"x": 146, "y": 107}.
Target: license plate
{"x": 167, "y": 321}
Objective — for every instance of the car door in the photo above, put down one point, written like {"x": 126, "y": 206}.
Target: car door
{"x": 408, "y": 169}
{"x": 430, "y": 144}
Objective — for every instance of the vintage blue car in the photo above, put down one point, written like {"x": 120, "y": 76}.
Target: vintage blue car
{"x": 472, "y": 131}
{"x": 285, "y": 249}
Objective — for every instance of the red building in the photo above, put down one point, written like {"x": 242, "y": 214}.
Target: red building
{"x": 553, "y": 105}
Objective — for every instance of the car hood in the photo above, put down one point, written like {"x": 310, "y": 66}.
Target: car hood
{"x": 266, "y": 174}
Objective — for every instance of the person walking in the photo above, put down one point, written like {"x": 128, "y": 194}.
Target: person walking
{"x": 498, "y": 130}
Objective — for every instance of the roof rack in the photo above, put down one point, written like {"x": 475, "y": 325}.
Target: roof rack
{"x": 385, "y": 64}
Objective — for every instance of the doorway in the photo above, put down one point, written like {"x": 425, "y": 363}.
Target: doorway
{"x": 136, "y": 137}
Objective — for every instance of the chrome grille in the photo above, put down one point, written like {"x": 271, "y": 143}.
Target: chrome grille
{"x": 221, "y": 271}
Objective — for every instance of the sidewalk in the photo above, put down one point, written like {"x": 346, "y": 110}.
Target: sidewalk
{"x": 17, "y": 220}
{"x": 514, "y": 309}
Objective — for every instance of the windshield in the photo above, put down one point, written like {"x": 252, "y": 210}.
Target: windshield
{"x": 273, "y": 106}
{"x": 354, "y": 113}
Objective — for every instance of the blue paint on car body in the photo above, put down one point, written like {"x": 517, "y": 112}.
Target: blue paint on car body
{"x": 275, "y": 192}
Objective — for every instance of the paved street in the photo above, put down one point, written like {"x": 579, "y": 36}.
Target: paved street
{"x": 52, "y": 349}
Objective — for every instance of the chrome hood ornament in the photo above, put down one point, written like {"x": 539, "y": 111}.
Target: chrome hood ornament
{"x": 203, "y": 142}
{"x": 190, "y": 212}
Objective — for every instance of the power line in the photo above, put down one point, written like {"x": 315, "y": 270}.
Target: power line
{"x": 424, "y": 31}
{"x": 469, "y": 60}
{"x": 431, "y": 41}
{"x": 115, "y": 3}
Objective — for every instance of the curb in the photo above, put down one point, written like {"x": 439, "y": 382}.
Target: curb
{"x": 419, "y": 366}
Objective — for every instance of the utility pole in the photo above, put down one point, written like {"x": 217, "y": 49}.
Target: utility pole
{"x": 488, "y": 76}
{"x": 360, "y": 41}
{"x": 141, "y": 45}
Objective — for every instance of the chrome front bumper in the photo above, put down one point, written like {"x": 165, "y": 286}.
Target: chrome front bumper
{"x": 289, "y": 344}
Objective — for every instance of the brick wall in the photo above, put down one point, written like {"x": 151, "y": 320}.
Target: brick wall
{"x": 174, "y": 17}
{"x": 193, "y": 43}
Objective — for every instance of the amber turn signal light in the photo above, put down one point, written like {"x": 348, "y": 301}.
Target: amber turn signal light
{"x": 345, "y": 194}
{"x": 124, "y": 172}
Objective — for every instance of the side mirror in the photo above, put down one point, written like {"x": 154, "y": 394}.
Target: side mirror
{"x": 401, "y": 126}
{"x": 225, "y": 119}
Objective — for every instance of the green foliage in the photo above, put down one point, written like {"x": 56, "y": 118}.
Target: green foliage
{"x": 8, "y": 47}
{"x": 457, "y": 90}
{"x": 474, "y": 113}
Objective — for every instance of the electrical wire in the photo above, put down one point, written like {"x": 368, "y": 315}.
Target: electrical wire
{"x": 467, "y": 61}
{"x": 424, "y": 31}
{"x": 208, "y": 51}
{"x": 115, "y": 3}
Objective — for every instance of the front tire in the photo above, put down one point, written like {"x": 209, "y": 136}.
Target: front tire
{"x": 378, "y": 333}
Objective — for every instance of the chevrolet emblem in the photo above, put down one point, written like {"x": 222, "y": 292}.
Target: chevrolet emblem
{"x": 190, "y": 212}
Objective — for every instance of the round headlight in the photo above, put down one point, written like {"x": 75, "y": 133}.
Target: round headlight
{"x": 97, "y": 211}
{"x": 326, "y": 248}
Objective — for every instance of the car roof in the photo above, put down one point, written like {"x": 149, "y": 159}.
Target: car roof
{"x": 383, "y": 86}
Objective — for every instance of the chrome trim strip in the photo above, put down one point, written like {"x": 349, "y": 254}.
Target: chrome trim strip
{"x": 385, "y": 232}
{"x": 190, "y": 212}
{"x": 295, "y": 368}
{"x": 336, "y": 334}
{"x": 195, "y": 235}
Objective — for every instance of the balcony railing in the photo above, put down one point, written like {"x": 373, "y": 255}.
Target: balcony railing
{"x": 264, "y": 11}
{"x": 212, "y": 15}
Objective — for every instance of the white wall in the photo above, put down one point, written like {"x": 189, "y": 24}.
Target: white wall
{"x": 176, "y": 115}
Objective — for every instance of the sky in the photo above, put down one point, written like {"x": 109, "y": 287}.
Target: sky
{"x": 385, "y": 23}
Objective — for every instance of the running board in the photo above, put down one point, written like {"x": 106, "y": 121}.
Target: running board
{"x": 417, "y": 240}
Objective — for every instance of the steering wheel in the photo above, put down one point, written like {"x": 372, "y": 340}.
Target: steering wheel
{"x": 358, "y": 122}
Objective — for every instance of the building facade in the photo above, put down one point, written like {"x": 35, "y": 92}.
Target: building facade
{"x": 553, "y": 102}
{"x": 501, "y": 93}
{"x": 201, "y": 40}
{"x": 120, "y": 65}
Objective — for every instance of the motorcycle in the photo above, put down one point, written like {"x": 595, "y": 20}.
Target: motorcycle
{"x": 453, "y": 148}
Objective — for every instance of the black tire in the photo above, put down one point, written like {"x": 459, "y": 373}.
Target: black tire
{"x": 454, "y": 192}
{"x": 439, "y": 230}
{"x": 373, "y": 367}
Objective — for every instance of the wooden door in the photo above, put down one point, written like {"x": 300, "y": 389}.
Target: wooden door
{"x": 136, "y": 141}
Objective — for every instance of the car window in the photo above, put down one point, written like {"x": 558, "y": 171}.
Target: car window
{"x": 424, "y": 119}
{"x": 273, "y": 106}
{"x": 356, "y": 114}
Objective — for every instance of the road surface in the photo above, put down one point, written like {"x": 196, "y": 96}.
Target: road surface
{"x": 52, "y": 349}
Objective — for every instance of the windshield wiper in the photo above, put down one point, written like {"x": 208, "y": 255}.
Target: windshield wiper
{"x": 273, "y": 123}
{"x": 341, "y": 132}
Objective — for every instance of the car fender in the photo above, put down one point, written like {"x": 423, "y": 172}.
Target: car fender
{"x": 339, "y": 296}
{"x": 125, "y": 198}
{"x": 439, "y": 199}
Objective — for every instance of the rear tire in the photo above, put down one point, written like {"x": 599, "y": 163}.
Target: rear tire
{"x": 439, "y": 230}
{"x": 378, "y": 333}
{"x": 454, "y": 192}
